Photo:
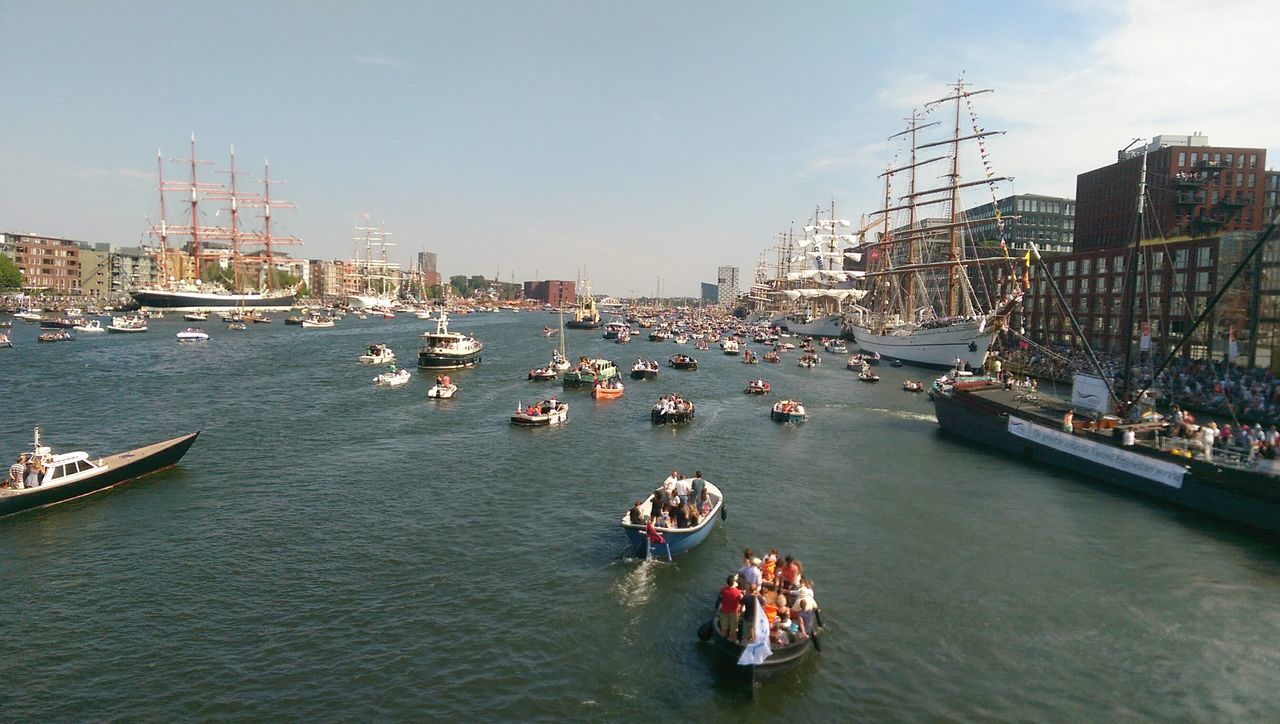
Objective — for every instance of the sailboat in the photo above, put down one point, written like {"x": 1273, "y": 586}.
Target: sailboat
{"x": 374, "y": 275}
{"x": 922, "y": 306}
{"x": 180, "y": 287}
{"x": 1134, "y": 449}
{"x": 559, "y": 360}
{"x": 814, "y": 283}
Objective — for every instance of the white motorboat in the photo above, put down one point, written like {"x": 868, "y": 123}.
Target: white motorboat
{"x": 541, "y": 414}
{"x": 317, "y": 322}
{"x": 29, "y": 315}
{"x": 191, "y": 334}
{"x": 442, "y": 392}
{"x": 91, "y": 326}
{"x": 378, "y": 354}
{"x": 195, "y": 317}
{"x": 4, "y": 341}
{"x": 127, "y": 325}
{"x": 393, "y": 379}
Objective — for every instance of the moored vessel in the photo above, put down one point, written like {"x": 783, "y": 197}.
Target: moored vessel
{"x": 447, "y": 350}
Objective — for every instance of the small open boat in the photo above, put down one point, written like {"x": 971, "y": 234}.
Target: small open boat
{"x": 4, "y": 341}
{"x": 913, "y": 385}
{"x": 541, "y": 414}
{"x": 868, "y": 375}
{"x": 317, "y": 322}
{"x": 750, "y": 358}
{"x": 92, "y": 326}
{"x": 669, "y": 411}
{"x": 127, "y": 325}
{"x": 683, "y": 362}
{"x": 644, "y": 370}
{"x": 787, "y": 411}
{"x": 757, "y": 663}
{"x": 543, "y": 374}
{"x": 770, "y": 357}
{"x": 73, "y": 475}
{"x": 237, "y": 326}
{"x": 809, "y": 360}
{"x": 758, "y": 387}
{"x": 607, "y": 390}
{"x": 674, "y": 540}
{"x": 59, "y": 336}
{"x": 196, "y": 317}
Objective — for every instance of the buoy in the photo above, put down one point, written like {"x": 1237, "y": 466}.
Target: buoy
{"x": 724, "y": 512}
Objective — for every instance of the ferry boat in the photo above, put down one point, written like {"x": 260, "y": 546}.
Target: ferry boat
{"x": 446, "y": 350}
{"x": 75, "y": 474}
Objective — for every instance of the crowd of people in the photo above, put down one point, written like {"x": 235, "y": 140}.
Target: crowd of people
{"x": 677, "y": 503}
{"x": 778, "y": 586}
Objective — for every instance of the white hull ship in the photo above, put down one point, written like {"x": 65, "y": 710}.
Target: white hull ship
{"x": 966, "y": 341}
{"x": 366, "y": 301}
{"x": 831, "y": 325}
{"x": 922, "y": 306}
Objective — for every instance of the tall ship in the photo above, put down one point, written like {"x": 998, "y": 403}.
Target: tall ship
{"x": 932, "y": 298}
{"x": 376, "y": 279}
{"x": 813, "y": 285}
{"x": 215, "y": 267}
{"x": 447, "y": 350}
{"x": 586, "y": 316}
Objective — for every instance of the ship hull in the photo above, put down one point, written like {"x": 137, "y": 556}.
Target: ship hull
{"x": 1249, "y": 498}
{"x": 358, "y": 301}
{"x": 440, "y": 361}
{"x": 194, "y": 301}
{"x": 938, "y": 347}
{"x": 829, "y": 326}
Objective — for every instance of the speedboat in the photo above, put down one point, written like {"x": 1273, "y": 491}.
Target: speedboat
{"x": 758, "y": 387}
{"x": 191, "y": 334}
{"x": 127, "y": 325}
{"x": 442, "y": 392}
{"x": 541, "y": 414}
{"x": 196, "y": 317}
{"x": 673, "y": 540}
{"x": 29, "y": 315}
{"x": 90, "y": 326}
{"x": 75, "y": 474}
{"x": 393, "y": 379}
{"x": 787, "y": 411}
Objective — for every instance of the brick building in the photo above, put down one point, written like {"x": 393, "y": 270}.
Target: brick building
{"x": 46, "y": 263}
{"x": 1195, "y": 189}
{"x": 555, "y": 293}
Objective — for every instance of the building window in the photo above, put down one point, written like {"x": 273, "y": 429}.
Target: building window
{"x": 1084, "y": 266}
{"x": 1253, "y": 161}
{"x": 1180, "y": 259}
{"x": 1203, "y": 256}
{"x": 1117, "y": 263}
{"x": 1071, "y": 267}
{"x": 1102, "y": 265}
{"x": 1182, "y": 158}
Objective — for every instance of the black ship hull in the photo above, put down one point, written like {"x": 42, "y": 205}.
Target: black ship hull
{"x": 193, "y": 301}
{"x": 582, "y": 324}
{"x": 1247, "y": 497}
{"x": 120, "y": 468}
{"x": 435, "y": 361}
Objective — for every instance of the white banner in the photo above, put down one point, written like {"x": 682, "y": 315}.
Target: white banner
{"x": 1165, "y": 473}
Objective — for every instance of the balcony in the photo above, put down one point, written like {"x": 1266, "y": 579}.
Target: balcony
{"x": 1184, "y": 198}
{"x": 1207, "y": 165}
{"x": 1234, "y": 203}
{"x": 1188, "y": 180}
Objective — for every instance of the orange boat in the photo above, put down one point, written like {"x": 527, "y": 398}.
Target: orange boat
{"x": 605, "y": 391}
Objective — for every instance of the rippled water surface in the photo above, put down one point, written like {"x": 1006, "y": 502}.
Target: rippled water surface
{"x": 332, "y": 550}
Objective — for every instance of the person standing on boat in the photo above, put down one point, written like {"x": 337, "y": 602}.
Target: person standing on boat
{"x": 696, "y": 486}
{"x": 1068, "y": 420}
{"x": 1208, "y": 434}
{"x": 683, "y": 488}
{"x": 17, "y": 472}
{"x": 729, "y": 609}
{"x": 637, "y": 518}
{"x": 35, "y": 471}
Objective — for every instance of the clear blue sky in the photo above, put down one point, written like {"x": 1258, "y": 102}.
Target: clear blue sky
{"x": 636, "y": 140}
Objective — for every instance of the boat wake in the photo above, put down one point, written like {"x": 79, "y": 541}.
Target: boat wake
{"x": 637, "y": 588}
{"x": 902, "y": 414}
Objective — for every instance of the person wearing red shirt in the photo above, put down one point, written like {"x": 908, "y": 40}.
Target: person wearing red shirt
{"x": 730, "y": 608}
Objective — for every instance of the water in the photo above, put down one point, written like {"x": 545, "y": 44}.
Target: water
{"x": 328, "y": 549}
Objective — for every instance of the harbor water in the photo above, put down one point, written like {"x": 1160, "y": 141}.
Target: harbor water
{"x": 329, "y": 549}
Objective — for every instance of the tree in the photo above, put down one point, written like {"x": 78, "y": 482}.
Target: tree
{"x": 459, "y": 284}
{"x": 477, "y": 283}
{"x": 10, "y": 276}
{"x": 435, "y": 292}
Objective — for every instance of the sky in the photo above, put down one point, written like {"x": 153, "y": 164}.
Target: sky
{"x": 620, "y": 142}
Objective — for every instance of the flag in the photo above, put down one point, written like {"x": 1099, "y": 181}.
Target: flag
{"x": 759, "y": 650}
{"x": 1027, "y": 259}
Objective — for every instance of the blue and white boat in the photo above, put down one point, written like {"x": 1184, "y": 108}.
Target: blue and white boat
{"x": 678, "y": 540}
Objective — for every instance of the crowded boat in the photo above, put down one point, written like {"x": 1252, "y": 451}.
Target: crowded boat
{"x": 675, "y": 517}
{"x": 671, "y": 409}
{"x": 541, "y": 414}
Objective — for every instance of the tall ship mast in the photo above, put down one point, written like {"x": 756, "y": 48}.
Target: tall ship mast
{"x": 931, "y": 299}
{"x": 181, "y": 283}
{"x": 814, "y": 286}
{"x": 375, "y": 286}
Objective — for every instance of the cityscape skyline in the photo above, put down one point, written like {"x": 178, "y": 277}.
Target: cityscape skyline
{"x": 582, "y": 136}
